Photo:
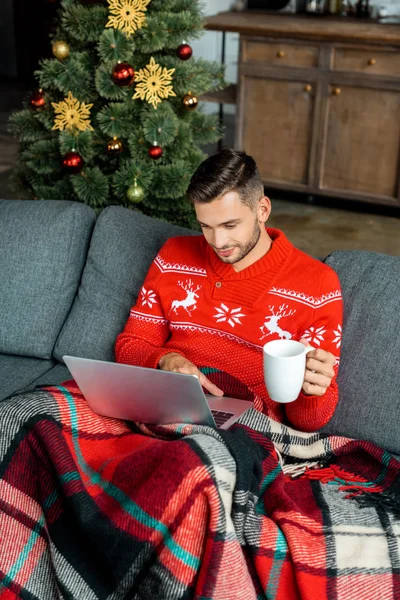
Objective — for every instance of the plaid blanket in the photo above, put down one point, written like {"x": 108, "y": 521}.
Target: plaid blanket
{"x": 94, "y": 508}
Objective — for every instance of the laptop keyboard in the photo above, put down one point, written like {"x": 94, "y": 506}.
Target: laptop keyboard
{"x": 221, "y": 417}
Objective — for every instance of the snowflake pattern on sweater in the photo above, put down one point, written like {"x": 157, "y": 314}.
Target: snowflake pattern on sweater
{"x": 220, "y": 319}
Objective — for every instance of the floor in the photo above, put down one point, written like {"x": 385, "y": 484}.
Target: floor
{"x": 317, "y": 226}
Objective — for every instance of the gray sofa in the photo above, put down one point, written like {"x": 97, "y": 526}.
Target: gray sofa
{"x": 68, "y": 280}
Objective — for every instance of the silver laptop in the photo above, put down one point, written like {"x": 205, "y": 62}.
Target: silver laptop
{"x": 150, "y": 395}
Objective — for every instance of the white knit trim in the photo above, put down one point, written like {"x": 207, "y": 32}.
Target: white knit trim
{"x": 148, "y": 318}
{"x": 195, "y": 327}
{"x": 177, "y": 268}
{"x": 314, "y": 302}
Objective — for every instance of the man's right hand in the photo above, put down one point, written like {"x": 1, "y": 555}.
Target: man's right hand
{"x": 179, "y": 364}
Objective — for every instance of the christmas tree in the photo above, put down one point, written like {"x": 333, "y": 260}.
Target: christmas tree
{"x": 115, "y": 118}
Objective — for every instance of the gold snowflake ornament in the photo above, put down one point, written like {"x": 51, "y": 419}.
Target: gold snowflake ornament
{"x": 153, "y": 83}
{"x": 127, "y": 15}
{"x": 71, "y": 114}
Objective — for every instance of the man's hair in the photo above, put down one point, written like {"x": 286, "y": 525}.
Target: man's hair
{"x": 228, "y": 170}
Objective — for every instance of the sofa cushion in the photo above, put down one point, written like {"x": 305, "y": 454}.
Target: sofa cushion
{"x": 19, "y": 372}
{"x": 43, "y": 246}
{"x": 123, "y": 245}
{"x": 369, "y": 374}
{"x": 56, "y": 375}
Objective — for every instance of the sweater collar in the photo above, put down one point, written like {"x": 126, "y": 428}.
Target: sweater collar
{"x": 276, "y": 255}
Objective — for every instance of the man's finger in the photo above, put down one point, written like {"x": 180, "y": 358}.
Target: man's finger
{"x": 317, "y": 379}
{"x": 209, "y": 386}
{"x": 313, "y": 390}
{"x": 320, "y": 367}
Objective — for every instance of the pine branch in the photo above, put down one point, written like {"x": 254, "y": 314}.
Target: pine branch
{"x": 70, "y": 75}
{"x": 91, "y": 187}
{"x": 160, "y": 125}
{"x": 43, "y": 157}
{"x": 117, "y": 118}
{"x": 165, "y": 31}
{"x": 59, "y": 190}
{"x": 114, "y": 46}
{"x": 195, "y": 7}
{"x": 46, "y": 118}
{"x": 85, "y": 24}
{"x": 23, "y": 125}
{"x": 106, "y": 86}
{"x": 81, "y": 142}
{"x": 171, "y": 180}
{"x": 198, "y": 76}
{"x": 19, "y": 182}
{"x": 126, "y": 175}
{"x": 205, "y": 128}
{"x": 138, "y": 146}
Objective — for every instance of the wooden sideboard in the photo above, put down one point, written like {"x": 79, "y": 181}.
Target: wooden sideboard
{"x": 318, "y": 103}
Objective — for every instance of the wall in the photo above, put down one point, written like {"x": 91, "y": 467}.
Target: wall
{"x": 209, "y": 48}
{"x": 8, "y": 60}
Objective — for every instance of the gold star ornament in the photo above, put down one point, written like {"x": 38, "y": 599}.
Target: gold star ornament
{"x": 127, "y": 15}
{"x": 72, "y": 114}
{"x": 153, "y": 83}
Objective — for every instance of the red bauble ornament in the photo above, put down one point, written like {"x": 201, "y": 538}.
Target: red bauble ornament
{"x": 73, "y": 162}
{"x": 184, "y": 51}
{"x": 155, "y": 152}
{"x": 123, "y": 74}
{"x": 37, "y": 99}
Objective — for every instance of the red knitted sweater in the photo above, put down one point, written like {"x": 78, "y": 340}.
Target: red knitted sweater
{"x": 193, "y": 303}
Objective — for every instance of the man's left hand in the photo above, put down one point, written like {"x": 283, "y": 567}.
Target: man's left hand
{"x": 319, "y": 371}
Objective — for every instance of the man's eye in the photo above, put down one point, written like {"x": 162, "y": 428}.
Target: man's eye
{"x": 204, "y": 226}
{"x": 230, "y": 226}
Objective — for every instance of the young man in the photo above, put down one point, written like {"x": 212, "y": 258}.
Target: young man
{"x": 210, "y": 303}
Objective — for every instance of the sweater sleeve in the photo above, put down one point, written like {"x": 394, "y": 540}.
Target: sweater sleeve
{"x": 309, "y": 413}
{"x": 146, "y": 330}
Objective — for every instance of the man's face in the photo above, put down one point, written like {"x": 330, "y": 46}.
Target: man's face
{"x": 230, "y": 227}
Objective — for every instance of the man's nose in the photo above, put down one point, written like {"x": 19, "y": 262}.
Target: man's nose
{"x": 220, "y": 239}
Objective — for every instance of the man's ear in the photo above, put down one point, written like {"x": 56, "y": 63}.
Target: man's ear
{"x": 263, "y": 209}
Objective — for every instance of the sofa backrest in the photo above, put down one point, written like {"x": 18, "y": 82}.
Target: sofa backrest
{"x": 123, "y": 245}
{"x": 369, "y": 374}
{"x": 43, "y": 249}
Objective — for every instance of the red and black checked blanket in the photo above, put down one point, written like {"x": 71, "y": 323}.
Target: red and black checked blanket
{"x": 94, "y": 508}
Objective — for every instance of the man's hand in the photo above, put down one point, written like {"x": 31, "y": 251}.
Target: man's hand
{"x": 319, "y": 371}
{"x": 179, "y": 364}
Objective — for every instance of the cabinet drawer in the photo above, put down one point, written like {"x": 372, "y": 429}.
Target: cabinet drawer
{"x": 373, "y": 61}
{"x": 280, "y": 54}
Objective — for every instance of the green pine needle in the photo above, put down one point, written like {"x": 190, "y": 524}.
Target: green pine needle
{"x": 125, "y": 177}
{"x": 114, "y": 46}
{"x": 43, "y": 157}
{"x": 106, "y": 86}
{"x": 160, "y": 125}
{"x": 118, "y": 118}
{"x": 81, "y": 142}
{"x": 84, "y": 24}
{"x": 23, "y": 125}
{"x": 91, "y": 187}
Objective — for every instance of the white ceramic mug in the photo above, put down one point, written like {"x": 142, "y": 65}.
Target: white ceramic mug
{"x": 284, "y": 369}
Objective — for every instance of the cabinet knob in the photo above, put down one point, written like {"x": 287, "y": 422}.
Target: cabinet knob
{"x": 336, "y": 91}
{"x": 372, "y": 61}
{"x": 280, "y": 54}
{"x": 308, "y": 88}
